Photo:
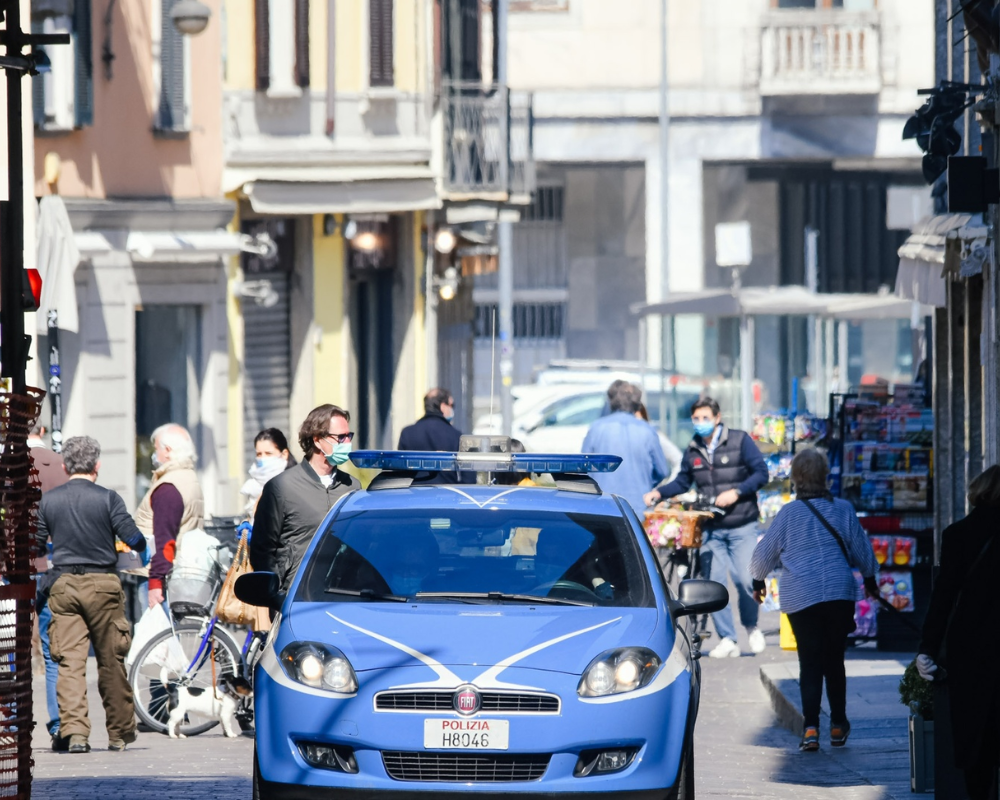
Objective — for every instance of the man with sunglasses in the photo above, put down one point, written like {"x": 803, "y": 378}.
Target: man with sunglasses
{"x": 293, "y": 504}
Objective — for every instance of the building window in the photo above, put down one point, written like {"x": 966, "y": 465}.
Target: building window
{"x": 531, "y": 320}
{"x": 281, "y": 46}
{"x": 546, "y": 205}
{"x": 172, "y": 62}
{"x": 63, "y": 98}
{"x": 380, "y": 43}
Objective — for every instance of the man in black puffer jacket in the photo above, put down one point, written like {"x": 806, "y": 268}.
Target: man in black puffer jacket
{"x": 728, "y": 469}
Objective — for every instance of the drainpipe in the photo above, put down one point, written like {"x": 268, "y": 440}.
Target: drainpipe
{"x": 505, "y": 239}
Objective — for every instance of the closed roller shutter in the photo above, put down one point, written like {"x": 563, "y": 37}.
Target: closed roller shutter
{"x": 267, "y": 380}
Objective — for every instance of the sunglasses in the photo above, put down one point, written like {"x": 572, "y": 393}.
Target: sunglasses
{"x": 341, "y": 438}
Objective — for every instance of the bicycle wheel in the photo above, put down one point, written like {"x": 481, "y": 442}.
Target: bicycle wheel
{"x": 169, "y": 659}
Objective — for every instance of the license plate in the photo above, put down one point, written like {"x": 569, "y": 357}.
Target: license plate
{"x": 466, "y": 734}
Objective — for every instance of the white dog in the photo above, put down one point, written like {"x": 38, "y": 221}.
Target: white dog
{"x": 219, "y": 704}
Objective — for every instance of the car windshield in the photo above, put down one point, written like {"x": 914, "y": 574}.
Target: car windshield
{"x": 477, "y": 556}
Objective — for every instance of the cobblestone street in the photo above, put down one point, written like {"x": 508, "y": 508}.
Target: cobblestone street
{"x": 742, "y": 751}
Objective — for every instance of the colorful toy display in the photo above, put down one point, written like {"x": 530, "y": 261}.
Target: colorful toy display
{"x": 897, "y": 589}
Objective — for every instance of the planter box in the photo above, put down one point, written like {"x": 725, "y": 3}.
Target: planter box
{"x": 921, "y": 754}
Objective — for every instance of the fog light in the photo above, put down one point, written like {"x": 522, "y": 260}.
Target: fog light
{"x": 327, "y": 756}
{"x": 613, "y": 760}
{"x": 604, "y": 762}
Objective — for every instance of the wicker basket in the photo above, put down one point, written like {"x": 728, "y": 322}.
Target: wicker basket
{"x": 668, "y": 524}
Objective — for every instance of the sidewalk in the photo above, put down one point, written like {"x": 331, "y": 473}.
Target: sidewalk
{"x": 878, "y": 750}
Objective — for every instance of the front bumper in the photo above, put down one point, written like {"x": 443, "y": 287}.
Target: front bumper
{"x": 285, "y": 716}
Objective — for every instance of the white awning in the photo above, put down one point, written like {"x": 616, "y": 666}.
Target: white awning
{"x": 782, "y": 301}
{"x": 944, "y": 243}
{"x": 350, "y": 197}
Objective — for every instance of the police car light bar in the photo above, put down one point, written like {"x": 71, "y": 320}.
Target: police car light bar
{"x": 429, "y": 461}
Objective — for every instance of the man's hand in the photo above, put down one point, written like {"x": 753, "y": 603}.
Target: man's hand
{"x": 651, "y": 498}
{"x": 926, "y": 667}
{"x": 155, "y": 597}
{"x": 727, "y": 498}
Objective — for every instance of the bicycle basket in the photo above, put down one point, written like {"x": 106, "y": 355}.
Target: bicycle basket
{"x": 191, "y": 592}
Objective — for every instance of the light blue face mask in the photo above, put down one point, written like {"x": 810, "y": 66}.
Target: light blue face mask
{"x": 704, "y": 429}
{"x": 339, "y": 455}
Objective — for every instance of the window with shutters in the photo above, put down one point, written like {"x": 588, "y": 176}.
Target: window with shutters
{"x": 380, "y": 43}
{"x": 171, "y": 61}
{"x": 63, "y": 99}
{"x": 281, "y": 40}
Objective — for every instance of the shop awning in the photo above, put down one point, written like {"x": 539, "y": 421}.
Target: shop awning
{"x": 779, "y": 301}
{"x": 349, "y": 197}
{"x": 954, "y": 243}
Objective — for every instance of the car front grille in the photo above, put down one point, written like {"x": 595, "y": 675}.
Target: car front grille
{"x": 496, "y": 702}
{"x": 465, "y": 767}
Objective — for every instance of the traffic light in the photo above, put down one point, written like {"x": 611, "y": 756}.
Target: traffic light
{"x": 31, "y": 289}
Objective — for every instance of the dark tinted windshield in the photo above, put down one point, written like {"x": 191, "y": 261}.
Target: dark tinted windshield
{"x": 574, "y": 558}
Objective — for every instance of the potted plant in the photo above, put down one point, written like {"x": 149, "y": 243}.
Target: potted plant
{"x": 918, "y": 695}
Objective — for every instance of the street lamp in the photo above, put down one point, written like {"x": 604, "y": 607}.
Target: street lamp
{"x": 190, "y": 17}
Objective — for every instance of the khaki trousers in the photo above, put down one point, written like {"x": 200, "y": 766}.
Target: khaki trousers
{"x": 91, "y": 608}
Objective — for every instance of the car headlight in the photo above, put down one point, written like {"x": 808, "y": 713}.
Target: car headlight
{"x": 623, "y": 670}
{"x": 319, "y": 666}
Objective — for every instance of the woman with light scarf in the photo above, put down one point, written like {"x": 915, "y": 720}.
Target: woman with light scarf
{"x": 273, "y": 458}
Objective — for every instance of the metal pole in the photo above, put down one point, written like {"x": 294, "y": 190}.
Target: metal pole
{"x": 13, "y": 348}
{"x": 746, "y": 371}
{"x": 55, "y": 381}
{"x": 667, "y": 337}
{"x": 505, "y": 241}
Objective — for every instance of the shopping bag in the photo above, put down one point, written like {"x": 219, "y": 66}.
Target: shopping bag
{"x": 230, "y": 609}
{"x": 152, "y": 621}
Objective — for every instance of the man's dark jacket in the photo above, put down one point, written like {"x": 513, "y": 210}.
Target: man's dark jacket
{"x": 290, "y": 510}
{"x": 433, "y": 432}
{"x": 736, "y": 464}
{"x": 961, "y": 627}
{"x": 83, "y": 520}
{"x": 430, "y": 432}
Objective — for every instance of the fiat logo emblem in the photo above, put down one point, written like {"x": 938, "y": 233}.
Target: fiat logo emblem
{"x": 467, "y": 700}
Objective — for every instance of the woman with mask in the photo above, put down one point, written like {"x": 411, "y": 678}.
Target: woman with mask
{"x": 293, "y": 504}
{"x": 273, "y": 458}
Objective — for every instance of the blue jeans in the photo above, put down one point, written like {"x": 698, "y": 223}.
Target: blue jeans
{"x": 728, "y": 551}
{"x": 51, "y": 667}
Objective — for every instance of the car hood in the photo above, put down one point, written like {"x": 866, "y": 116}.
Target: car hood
{"x": 387, "y": 636}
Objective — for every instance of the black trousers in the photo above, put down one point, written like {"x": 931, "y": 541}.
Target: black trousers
{"x": 821, "y": 635}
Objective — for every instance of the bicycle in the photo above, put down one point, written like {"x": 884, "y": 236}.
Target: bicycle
{"x": 195, "y": 652}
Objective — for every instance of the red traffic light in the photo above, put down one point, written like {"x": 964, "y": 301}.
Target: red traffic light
{"x": 31, "y": 289}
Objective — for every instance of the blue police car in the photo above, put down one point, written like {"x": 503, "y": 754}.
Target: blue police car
{"x": 495, "y": 639}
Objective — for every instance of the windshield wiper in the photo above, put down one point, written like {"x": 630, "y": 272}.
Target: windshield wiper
{"x": 367, "y": 594}
{"x": 520, "y": 598}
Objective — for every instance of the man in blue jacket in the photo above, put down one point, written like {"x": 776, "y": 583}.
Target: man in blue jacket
{"x": 622, "y": 433}
{"x": 728, "y": 469}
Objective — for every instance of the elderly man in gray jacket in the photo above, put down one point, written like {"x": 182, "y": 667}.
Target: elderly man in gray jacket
{"x": 293, "y": 504}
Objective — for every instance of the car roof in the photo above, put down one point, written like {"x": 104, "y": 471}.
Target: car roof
{"x": 464, "y": 496}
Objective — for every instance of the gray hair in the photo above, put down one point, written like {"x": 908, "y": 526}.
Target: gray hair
{"x": 177, "y": 438}
{"x": 80, "y": 455}
{"x": 624, "y": 396}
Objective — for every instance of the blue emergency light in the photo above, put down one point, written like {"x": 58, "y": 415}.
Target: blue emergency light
{"x": 429, "y": 461}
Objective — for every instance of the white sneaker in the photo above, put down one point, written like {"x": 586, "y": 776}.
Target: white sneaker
{"x": 757, "y": 641}
{"x": 727, "y": 648}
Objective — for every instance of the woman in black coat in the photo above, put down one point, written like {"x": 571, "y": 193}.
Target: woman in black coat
{"x": 960, "y": 633}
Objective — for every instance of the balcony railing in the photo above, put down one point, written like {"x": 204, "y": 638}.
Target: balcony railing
{"x": 820, "y": 52}
{"x": 487, "y": 141}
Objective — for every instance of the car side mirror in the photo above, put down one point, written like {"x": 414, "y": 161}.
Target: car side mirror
{"x": 699, "y": 597}
{"x": 259, "y": 589}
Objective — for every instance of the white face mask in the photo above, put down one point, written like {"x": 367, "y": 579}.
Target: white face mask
{"x": 263, "y": 469}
